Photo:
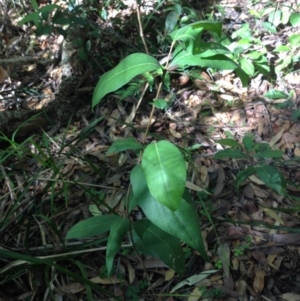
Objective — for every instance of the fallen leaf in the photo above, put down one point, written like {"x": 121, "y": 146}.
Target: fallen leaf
{"x": 259, "y": 281}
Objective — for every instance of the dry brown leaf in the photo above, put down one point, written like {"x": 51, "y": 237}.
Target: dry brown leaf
{"x": 259, "y": 281}
{"x": 220, "y": 181}
{"x": 72, "y": 288}
{"x": 195, "y": 295}
{"x": 277, "y": 137}
{"x": 109, "y": 280}
{"x": 241, "y": 288}
{"x": 297, "y": 152}
{"x": 194, "y": 187}
{"x": 256, "y": 180}
{"x": 273, "y": 215}
{"x": 3, "y": 74}
{"x": 169, "y": 275}
{"x": 271, "y": 259}
{"x": 290, "y": 297}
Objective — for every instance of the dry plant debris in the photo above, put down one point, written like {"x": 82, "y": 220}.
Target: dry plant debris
{"x": 62, "y": 175}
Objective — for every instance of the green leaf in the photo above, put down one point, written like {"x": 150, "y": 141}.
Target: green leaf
{"x": 165, "y": 173}
{"x": 275, "y": 17}
{"x": 160, "y": 104}
{"x": 294, "y": 39}
{"x": 155, "y": 242}
{"x": 248, "y": 142}
{"x": 229, "y": 153}
{"x": 272, "y": 177}
{"x": 33, "y": 17}
{"x": 270, "y": 27}
{"x": 283, "y": 63}
{"x": 124, "y": 144}
{"x": 182, "y": 223}
{"x": 192, "y": 31}
{"x": 243, "y": 76}
{"x": 171, "y": 21}
{"x": 282, "y": 48}
{"x": 269, "y": 154}
{"x": 275, "y": 94}
{"x": 247, "y": 66}
{"x": 243, "y": 175}
{"x": 296, "y": 115}
{"x": 229, "y": 142}
{"x": 295, "y": 19}
{"x": 254, "y": 55}
{"x": 131, "y": 66}
{"x": 34, "y": 4}
{"x": 117, "y": 232}
{"x": 93, "y": 226}
{"x": 219, "y": 61}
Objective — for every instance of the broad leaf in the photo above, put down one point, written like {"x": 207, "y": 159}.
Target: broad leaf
{"x": 272, "y": 177}
{"x": 165, "y": 173}
{"x": 247, "y": 66}
{"x": 269, "y": 154}
{"x": 124, "y": 144}
{"x": 295, "y": 19}
{"x": 248, "y": 141}
{"x": 92, "y": 226}
{"x": 182, "y": 223}
{"x": 155, "y": 242}
{"x": 229, "y": 142}
{"x": 117, "y": 232}
{"x": 131, "y": 66}
{"x": 244, "y": 175}
{"x": 191, "y": 31}
{"x": 275, "y": 94}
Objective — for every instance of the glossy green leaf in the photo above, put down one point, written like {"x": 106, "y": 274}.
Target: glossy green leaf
{"x": 193, "y": 30}
{"x": 229, "y": 142}
{"x": 275, "y": 94}
{"x": 294, "y": 39}
{"x": 254, "y": 55}
{"x": 247, "y": 66}
{"x": 295, "y": 19}
{"x": 33, "y": 17}
{"x": 92, "y": 226}
{"x": 282, "y": 48}
{"x": 124, "y": 144}
{"x": 248, "y": 141}
{"x": 159, "y": 244}
{"x": 171, "y": 21}
{"x": 275, "y": 17}
{"x": 283, "y": 63}
{"x": 182, "y": 223}
{"x": 117, "y": 233}
{"x": 270, "y": 27}
{"x": 34, "y": 4}
{"x": 244, "y": 77}
{"x": 243, "y": 176}
{"x": 160, "y": 104}
{"x": 219, "y": 61}
{"x": 229, "y": 153}
{"x": 165, "y": 173}
{"x": 272, "y": 177}
{"x": 269, "y": 154}
{"x": 131, "y": 66}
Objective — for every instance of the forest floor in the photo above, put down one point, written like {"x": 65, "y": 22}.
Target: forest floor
{"x": 55, "y": 178}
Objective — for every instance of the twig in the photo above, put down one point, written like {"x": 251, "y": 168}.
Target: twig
{"x": 140, "y": 26}
{"x": 26, "y": 60}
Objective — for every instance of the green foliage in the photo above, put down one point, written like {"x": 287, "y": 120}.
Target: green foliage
{"x": 158, "y": 188}
{"x": 258, "y": 153}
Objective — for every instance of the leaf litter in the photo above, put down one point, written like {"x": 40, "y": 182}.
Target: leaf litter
{"x": 252, "y": 236}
